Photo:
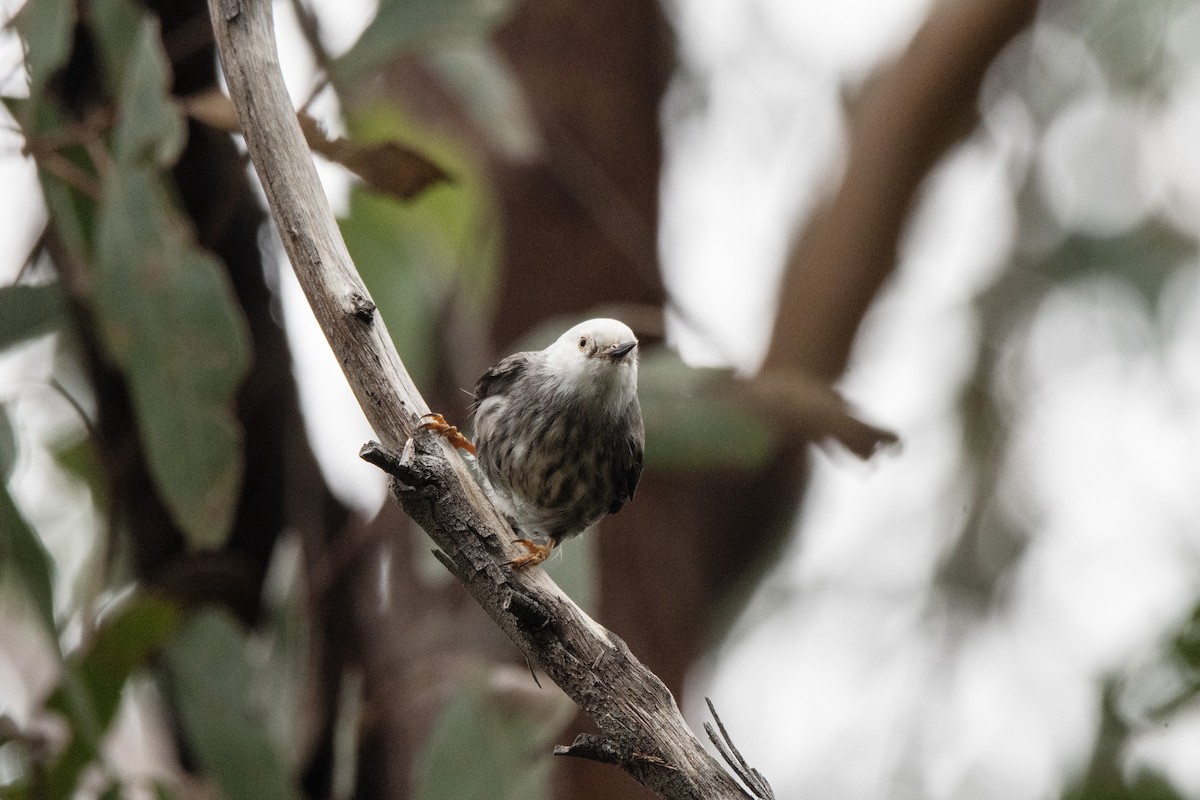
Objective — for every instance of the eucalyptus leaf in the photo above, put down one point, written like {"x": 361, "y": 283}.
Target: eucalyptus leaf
{"x": 209, "y": 683}
{"x": 23, "y": 554}
{"x": 29, "y": 311}
{"x": 47, "y": 26}
{"x": 691, "y": 421}
{"x": 393, "y": 253}
{"x": 168, "y": 319}
{"x": 406, "y": 25}
{"x": 111, "y": 23}
{"x": 89, "y": 692}
{"x": 1144, "y": 259}
{"x": 150, "y": 124}
{"x": 8, "y": 446}
{"x": 491, "y": 743}
{"x": 449, "y": 234}
{"x": 77, "y": 457}
{"x": 490, "y": 93}
{"x": 73, "y": 212}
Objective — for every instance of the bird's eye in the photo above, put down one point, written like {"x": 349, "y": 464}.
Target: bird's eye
{"x": 583, "y": 343}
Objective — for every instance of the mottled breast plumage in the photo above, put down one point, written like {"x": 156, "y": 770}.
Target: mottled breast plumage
{"x": 556, "y": 459}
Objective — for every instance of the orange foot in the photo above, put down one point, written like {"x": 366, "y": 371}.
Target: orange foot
{"x": 437, "y": 423}
{"x": 536, "y": 555}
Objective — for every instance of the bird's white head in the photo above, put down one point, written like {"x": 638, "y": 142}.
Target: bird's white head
{"x": 598, "y": 357}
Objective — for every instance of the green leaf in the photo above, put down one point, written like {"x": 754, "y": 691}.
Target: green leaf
{"x": 47, "y": 26}
{"x": 420, "y": 257}
{"x": 29, "y": 311}
{"x": 490, "y": 93}
{"x": 136, "y": 72}
{"x": 690, "y": 421}
{"x": 492, "y": 744}
{"x": 90, "y": 690}
{"x": 406, "y": 25}
{"x": 169, "y": 321}
{"x": 164, "y": 792}
{"x": 576, "y": 570}
{"x": 112, "y": 24}
{"x": 1187, "y": 643}
{"x": 77, "y": 457}
{"x": 209, "y": 684}
{"x": 150, "y": 125}
{"x": 8, "y": 446}
{"x": 22, "y": 553}
{"x": 393, "y": 253}
{"x": 73, "y": 213}
{"x": 1143, "y": 259}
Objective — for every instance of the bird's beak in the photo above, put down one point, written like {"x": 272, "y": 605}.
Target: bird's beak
{"x": 621, "y": 350}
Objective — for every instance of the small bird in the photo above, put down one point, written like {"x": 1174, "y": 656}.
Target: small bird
{"x": 558, "y": 434}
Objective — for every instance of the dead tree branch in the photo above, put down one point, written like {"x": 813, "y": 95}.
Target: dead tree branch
{"x": 641, "y": 728}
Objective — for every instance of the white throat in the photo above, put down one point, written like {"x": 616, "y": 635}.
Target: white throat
{"x": 580, "y": 360}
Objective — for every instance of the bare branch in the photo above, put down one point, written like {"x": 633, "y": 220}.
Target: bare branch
{"x": 733, "y": 757}
{"x": 641, "y": 728}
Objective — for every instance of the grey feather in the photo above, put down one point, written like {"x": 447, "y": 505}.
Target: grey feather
{"x": 559, "y": 432}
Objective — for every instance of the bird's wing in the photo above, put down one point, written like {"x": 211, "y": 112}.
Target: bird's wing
{"x": 500, "y": 377}
{"x": 631, "y": 466}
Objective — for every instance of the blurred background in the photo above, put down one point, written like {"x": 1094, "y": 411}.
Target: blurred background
{"x": 971, "y": 224}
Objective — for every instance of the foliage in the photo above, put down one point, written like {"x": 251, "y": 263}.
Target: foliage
{"x": 23, "y": 557}
{"x": 422, "y": 259}
{"x": 209, "y": 682}
{"x": 486, "y": 745}
{"x": 164, "y": 315}
{"x": 89, "y": 691}
{"x": 408, "y": 25}
{"x": 1077, "y": 59}
{"x": 182, "y": 344}
{"x": 92, "y": 683}
{"x": 29, "y": 311}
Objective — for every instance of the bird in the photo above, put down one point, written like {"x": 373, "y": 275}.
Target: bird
{"x": 559, "y": 437}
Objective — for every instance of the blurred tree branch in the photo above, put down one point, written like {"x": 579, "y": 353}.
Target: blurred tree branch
{"x": 636, "y": 714}
{"x": 904, "y": 123}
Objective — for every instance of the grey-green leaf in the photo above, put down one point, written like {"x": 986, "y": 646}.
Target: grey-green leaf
{"x": 150, "y": 125}
{"x": 406, "y": 25}
{"x": 169, "y": 321}
{"x": 490, "y": 94}
{"x": 691, "y": 422}
{"x": 29, "y": 311}
{"x": 8, "y": 446}
{"x": 209, "y": 684}
{"x": 491, "y": 743}
{"x": 90, "y": 690}
{"x": 23, "y": 552}
{"x": 112, "y": 23}
{"x": 47, "y": 27}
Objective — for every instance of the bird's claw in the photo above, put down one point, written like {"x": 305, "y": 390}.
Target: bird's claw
{"x": 437, "y": 423}
{"x": 536, "y": 555}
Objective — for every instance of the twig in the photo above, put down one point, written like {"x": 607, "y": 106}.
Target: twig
{"x": 641, "y": 728}
{"x": 310, "y": 29}
{"x": 733, "y": 757}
